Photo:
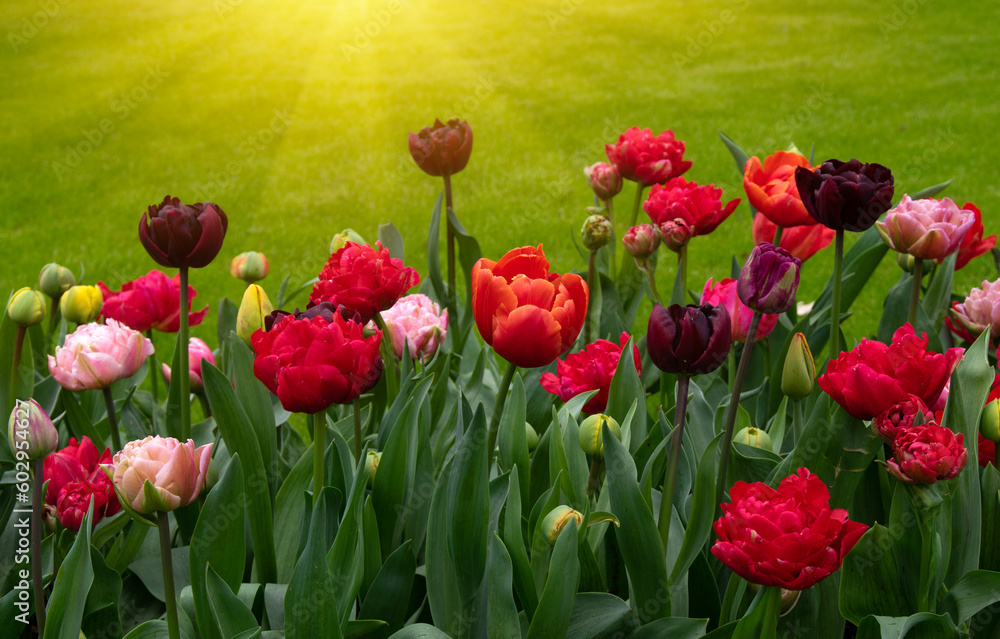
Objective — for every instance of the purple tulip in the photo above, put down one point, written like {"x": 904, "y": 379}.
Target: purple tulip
{"x": 688, "y": 340}
{"x": 769, "y": 279}
{"x": 178, "y": 235}
{"x": 845, "y": 195}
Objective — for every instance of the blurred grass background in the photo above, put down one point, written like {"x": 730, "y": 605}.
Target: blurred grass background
{"x": 293, "y": 115}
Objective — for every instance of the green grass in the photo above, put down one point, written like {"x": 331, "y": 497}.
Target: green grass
{"x": 544, "y": 86}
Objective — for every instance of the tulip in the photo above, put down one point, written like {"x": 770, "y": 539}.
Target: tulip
{"x": 98, "y": 355}
{"x": 688, "y": 340}
{"x": 648, "y": 159}
{"x": 926, "y": 454}
{"x": 798, "y": 375}
{"x": 81, "y": 304}
{"x": 754, "y": 437}
{"x": 180, "y": 236}
{"x": 901, "y": 417}
{"x": 557, "y": 519}
{"x": 641, "y": 242}
{"x": 363, "y": 280}
{"x": 769, "y": 279}
{"x": 341, "y": 239}
{"x": 442, "y": 149}
{"x": 675, "y": 233}
{"x": 250, "y": 267}
{"x": 802, "y": 241}
{"x": 372, "y": 460}
{"x": 699, "y": 206}
{"x": 77, "y": 470}
{"x": 927, "y": 229}
{"x": 54, "y": 280}
{"x": 419, "y": 322}
{"x": 26, "y": 307}
{"x": 30, "y": 431}
{"x": 597, "y": 231}
{"x": 740, "y": 315}
{"x": 160, "y": 474}
{"x": 150, "y": 302}
{"x": 592, "y": 368}
{"x": 981, "y": 309}
{"x": 771, "y": 189}
{"x": 254, "y": 307}
{"x": 989, "y": 423}
{"x": 845, "y": 195}
{"x": 987, "y": 451}
{"x": 604, "y": 180}
{"x": 198, "y": 350}
{"x": 973, "y": 245}
{"x": 591, "y": 434}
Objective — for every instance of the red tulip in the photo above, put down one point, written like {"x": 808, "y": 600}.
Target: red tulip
{"x": 771, "y": 189}
{"x": 973, "y": 244}
{"x": 900, "y": 417}
{"x": 987, "y": 452}
{"x": 442, "y": 149}
{"x": 363, "y": 280}
{"x": 527, "y": 314}
{"x": 590, "y": 369}
{"x": 789, "y": 537}
{"x": 648, "y": 159}
{"x": 700, "y": 206}
{"x": 74, "y": 473}
{"x": 801, "y": 241}
{"x": 152, "y": 301}
{"x": 874, "y": 376}
{"x": 926, "y": 454}
{"x": 180, "y": 235}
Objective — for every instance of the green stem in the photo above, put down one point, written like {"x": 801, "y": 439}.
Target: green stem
{"x": 452, "y": 294}
{"x": 731, "y": 366}
{"x": 588, "y": 325}
{"x": 388, "y": 360}
{"x": 357, "y": 429}
{"x": 734, "y": 402}
{"x": 682, "y": 264}
{"x": 183, "y": 375}
{"x": 595, "y": 475}
{"x": 15, "y": 366}
{"x": 318, "y": 428}
{"x": 508, "y": 377}
{"x": 777, "y": 236}
{"x": 918, "y": 276}
{"x": 206, "y": 408}
{"x": 838, "y": 271}
{"x": 52, "y": 320}
{"x": 798, "y": 420}
{"x": 613, "y": 244}
{"x": 639, "y": 188}
{"x": 673, "y": 461}
{"x": 109, "y": 403}
{"x": 924, "y": 583}
{"x": 154, "y": 380}
{"x": 36, "y": 544}
{"x": 651, "y": 277}
{"x": 168, "y": 574}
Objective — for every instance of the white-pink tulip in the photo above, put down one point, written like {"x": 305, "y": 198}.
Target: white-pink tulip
{"x": 420, "y": 322}
{"x": 98, "y": 355}
{"x": 174, "y": 471}
{"x": 927, "y": 229}
{"x": 981, "y": 309}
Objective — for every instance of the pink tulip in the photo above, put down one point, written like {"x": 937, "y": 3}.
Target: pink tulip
{"x": 97, "y": 355}
{"x": 740, "y": 315}
{"x": 641, "y": 241}
{"x": 417, "y": 320}
{"x": 604, "y": 180}
{"x": 175, "y": 472}
{"x": 926, "y": 454}
{"x": 197, "y": 351}
{"x": 927, "y": 229}
{"x": 981, "y": 309}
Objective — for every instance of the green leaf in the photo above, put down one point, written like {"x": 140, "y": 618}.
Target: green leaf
{"x": 739, "y": 155}
{"x": 919, "y": 626}
{"x": 390, "y": 592}
{"x": 699, "y": 523}
{"x": 389, "y": 485}
{"x": 870, "y": 579}
{"x": 513, "y": 539}
{"x": 389, "y": 237}
{"x": 172, "y": 420}
{"x": 989, "y": 557}
{"x": 556, "y": 602}
{"x": 597, "y": 615}
{"x": 468, "y": 254}
{"x": 930, "y": 191}
{"x": 101, "y": 612}
{"x": 255, "y": 399}
{"x": 155, "y": 629}
{"x": 310, "y": 609}
{"x": 443, "y": 595}
{"x": 976, "y": 590}
{"x": 761, "y": 620}
{"x": 626, "y": 388}
{"x": 288, "y": 509}
{"x": 419, "y": 631}
{"x": 674, "y": 627}
{"x": 229, "y": 311}
{"x": 512, "y": 439}
{"x": 503, "y": 622}
{"x": 937, "y": 299}
{"x": 72, "y": 584}
{"x": 346, "y": 559}
{"x": 372, "y": 546}
{"x": 437, "y": 284}
{"x": 232, "y": 616}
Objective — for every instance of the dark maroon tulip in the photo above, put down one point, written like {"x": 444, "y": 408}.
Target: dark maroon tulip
{"x": 688, "y": 340}
{"x": 442, "y": 149}
{"x": 180, "y": 235}
{"x": 845, "y": 195}
{"x": 769, "y": 279}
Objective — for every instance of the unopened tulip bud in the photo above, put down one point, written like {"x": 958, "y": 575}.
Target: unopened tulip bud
{"x": 54, "y": 280}
{"x": 597, "y": 231}
{"x": 591, "y": 434}
{"x": 371, "y": 464}
{"x": 799, "y": 372}
{"x": 769, "y": 279}
{"x": 641, "y": 241}
{"x": 26, "y": 307}
{"x": 81, "y": 304}
{"x": 341, "y": 239}
{"x": 604, "y": 180}
{"x": 675, "y": 234}
{"x": 250, "y": 267}
{"x": 557, "y": 519}
{"x": 531, "y": 436}
{"x": 253, "y": 309}
{"x": 753, "y": 437}
{"x": 788, "y": 600}
{"x": 989, "y": 423}
{"x": 30, "y": 431}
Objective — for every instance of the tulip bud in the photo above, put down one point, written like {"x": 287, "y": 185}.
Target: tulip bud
{"x": 26, "y": 307}
{"x": 753, "y": 437}
{"x": 675, "y": 234}
{"x": 597, "y": 231}
{"x": 604, "y": 180}
{"x": 788, "y": 600}
{"x": 81, "y": 304}
{"x": 341, "y": 239}
{"x": 591, "y": 434}
{"x": 250, "y": 267}
{"x": 557, "y": 519}
{"x": 989, "y": 423}
{"x": 769, "y": 279}
{"x": 253, "y": 309}
{"x": 371, "y": 464}
{"x": 54, "y": 280}
{"x": 531, "y": 436}
{"x": 30, "y": 431}
{"x": 641, "y": 241}
{"x": 799, "y": 372}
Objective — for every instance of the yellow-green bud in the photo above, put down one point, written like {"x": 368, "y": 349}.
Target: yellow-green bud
{"x": 753, "y": 437}
{"x": 989, "y": 423}
{"x": 531, "y": 436}
{"x": 371, "y": 464}
{"x": 557, "y": 519}
{"x": 342, "y": 238}
{"x": 30, "y": 431}
{"x": 54, "y": 280}
{"x": 250, "y": 267}
{"x": 26, "y": 307}
{"x": 81, "y": 304}
{"x": 799, "y": 372}
{"x": 253, "y": 309}
{"x": 591, "y": 434}
{"x": 597, "y": 231}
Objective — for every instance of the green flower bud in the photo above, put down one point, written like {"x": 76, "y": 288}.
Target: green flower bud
{"x": 591, "y": 434}
{"x": 753, "y": 437}
{"x": 30, "y": 431}
{"x": 249, "y": 267}
{"x": 371, "y": 464}
{"x": 557, "y": 519}
{"x": 26, "y": 307}
{"x": 799, "y": 372}
{"x": 597, "y": 231}
{"x": 342, "y": 238}
{"x": 989, "y": 423}
{"x": 54, "y": 280}
{"x": 81, "y": 304}
{"x": 531, "y": 436}
{"x": 253, "y": 309}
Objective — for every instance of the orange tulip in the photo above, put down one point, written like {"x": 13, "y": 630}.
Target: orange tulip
{"x": 771, "y": 188}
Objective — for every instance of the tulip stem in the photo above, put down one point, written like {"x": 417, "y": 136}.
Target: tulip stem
{"x": 168, "y": 574}
{"x": 388, "y": 360}
{"x": 452, "y": 293}
{"x": 918, "y": 276}
{"x": 798, "y": 420}
{"x": 183, "y": 375}
{"x": 777, "y": 235}
{"x": 595, "y": 475}
{"x": 588, "y": 325}
{"x": 734, "y": 403}
{"x": 151, "y": 361}
{"x": 673, "y": 461}
{"x": 682, "y": 265}
{"x": 52, "y": 320}
{"x": 612, "y": 245}
{"x": 15, "y": 366}
{"x": 651, "y": 278}
{"x": 109, "y": 402}
{"x": 36, "y": 544}
{"x": 357, "y": 428}
{"x": 508, "y": 377}
{"x": 318, "y": 428}
{"x": 838, "y": 272}
{"x": 639, "y": 188}
{"x": 924, "y": 596}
